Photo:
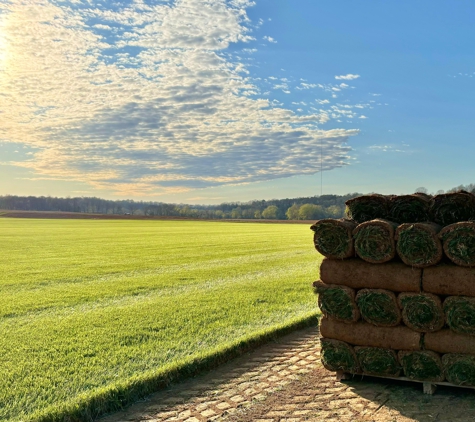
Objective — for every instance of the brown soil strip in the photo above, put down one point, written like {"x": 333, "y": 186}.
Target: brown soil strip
{"x": 446, "y": 341}
{"x": 364, "y": 334}
{"x": 358, "y": 274}
{"x": 449, "y": 279}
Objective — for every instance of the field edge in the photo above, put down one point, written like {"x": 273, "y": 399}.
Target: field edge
{"x": 116, "y": 397}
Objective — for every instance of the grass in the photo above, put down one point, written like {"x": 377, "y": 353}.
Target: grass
{"x": 96, "y": 314}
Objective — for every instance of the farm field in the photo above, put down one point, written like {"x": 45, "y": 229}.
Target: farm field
{"x": 96, "y": 313}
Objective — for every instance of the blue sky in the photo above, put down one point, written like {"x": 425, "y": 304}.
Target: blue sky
{"x": 207, "y": 101}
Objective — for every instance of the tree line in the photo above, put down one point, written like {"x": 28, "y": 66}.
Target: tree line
{"x": 304, "y": 208}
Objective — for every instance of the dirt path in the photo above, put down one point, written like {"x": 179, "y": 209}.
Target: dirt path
{"x": 284, "y": 381}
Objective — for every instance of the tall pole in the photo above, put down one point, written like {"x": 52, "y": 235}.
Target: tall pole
{"x": 321, "y": 167}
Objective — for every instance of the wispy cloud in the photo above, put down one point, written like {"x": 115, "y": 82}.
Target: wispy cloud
{"x": 270, "y": 39}
{"x": 139, "y": 99}
{"x": 347, "y": 77}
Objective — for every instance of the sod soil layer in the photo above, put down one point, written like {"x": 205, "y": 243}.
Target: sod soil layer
{"x": 358, "y": 274}
{"x": 447, "y": 279}
{"x": 334, "y": 238}
{"x": 446, "y": 341}
{"x": 364, "y": 334}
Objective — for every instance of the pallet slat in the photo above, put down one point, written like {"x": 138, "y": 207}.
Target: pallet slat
{"x": 429, "y": 387}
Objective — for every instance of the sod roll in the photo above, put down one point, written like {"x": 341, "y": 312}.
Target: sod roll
{"x": 452, "y": 208}
{"x": 460, "y": 314}
{"x": 446, "y": 341}
{"x": 367, "y": 207}
{"x": 449, "y": 279}
{"x": 458, "y": 241}
{"x": 459, "y": 369}
{"x": 378, "y": 361}
{"x": 358, "y": 274}
{"x": 422, "y": 365}
{"x": 418, "y": 244}
{"x": 338, "y": 356}
{"x": 374, "y": 241}
{"x": 334, "y": 238}
{"x": 364, "y": 334}
{"x": 378, "y": 307}
{"x": 421, "y": 311}
{"x": 409, "y": 209}
{"x": 337, "y": 301}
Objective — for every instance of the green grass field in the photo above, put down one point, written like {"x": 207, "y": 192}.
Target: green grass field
{"x": 96, "y": 313}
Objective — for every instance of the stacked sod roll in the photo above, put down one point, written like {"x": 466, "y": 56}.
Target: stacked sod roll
{"x": 397, "y": 287}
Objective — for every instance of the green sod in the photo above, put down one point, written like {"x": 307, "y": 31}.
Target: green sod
{"x": 418, "y": 246}
{"x": 452, "y": 208}
{"x": 378, "y": 361}
{"x": 459, "y": 369}
{"x": 337, "y": 302}
{"x": 409, "y": 209}
{"x": 422, "y": 366}
{"x": 421, "y": 312}
{"x": 367, "y": 207}
{"x": 460, "y": 314}
{"x": 378, "y": 307}
{"x": 332, "y": 240}
{"x": 338, "y": 356}
{"x": 459, "y": 244}
{"x": 374, "y": 243}
{"x": 95, "y": 314}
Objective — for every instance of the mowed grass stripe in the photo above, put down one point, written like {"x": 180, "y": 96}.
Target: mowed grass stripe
{"x": 71, "y": 346}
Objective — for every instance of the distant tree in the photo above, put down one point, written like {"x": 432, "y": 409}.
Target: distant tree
{"x": 293, "y": 212}
{"x": 422, "y": 189}
{"x": 257, "y": 214}
{"x": 236, "y": 213}
{"x": 311, "y": 212}
{"x": 270, "y": 212}
{"x": 334, "y": 211}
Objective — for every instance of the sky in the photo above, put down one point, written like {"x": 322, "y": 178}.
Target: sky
{"x": 211, "y": 101}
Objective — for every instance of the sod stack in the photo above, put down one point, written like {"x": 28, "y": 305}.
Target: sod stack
{"x": 397, "y": 287}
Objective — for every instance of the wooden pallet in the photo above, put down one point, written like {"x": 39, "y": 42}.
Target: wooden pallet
{"x": 429, "y": 387}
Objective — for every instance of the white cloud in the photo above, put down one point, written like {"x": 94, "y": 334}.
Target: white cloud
{"x": 151, "y": 107}
{"x": 347, "y": 77}
{"x": 269, "y": 39}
